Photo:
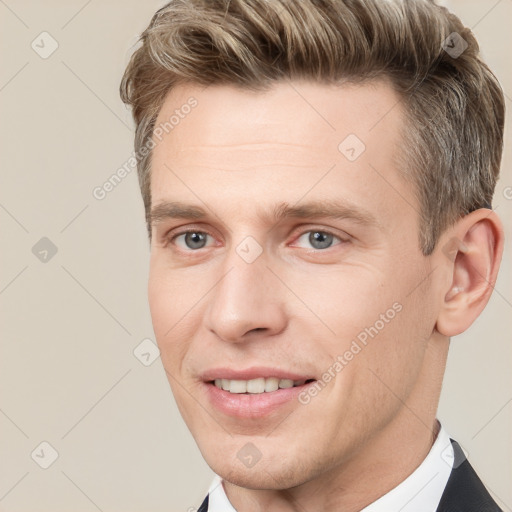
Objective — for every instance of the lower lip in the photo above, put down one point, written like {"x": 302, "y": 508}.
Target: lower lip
{"x": 249, "y": 405}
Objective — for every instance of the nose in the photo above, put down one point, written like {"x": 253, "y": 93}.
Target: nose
{"x": 246, "y": 302}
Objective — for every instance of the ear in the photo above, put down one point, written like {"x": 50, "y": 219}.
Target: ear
{"x": 470, "y": 252}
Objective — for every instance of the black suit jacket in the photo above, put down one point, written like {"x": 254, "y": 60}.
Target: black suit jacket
{"x": 464, "y": 491}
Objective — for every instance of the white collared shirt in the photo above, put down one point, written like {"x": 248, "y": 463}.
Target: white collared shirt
{"x": 421, "y": 491}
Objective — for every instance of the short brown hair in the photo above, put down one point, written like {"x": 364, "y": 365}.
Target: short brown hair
{"x": 454, "y": 106}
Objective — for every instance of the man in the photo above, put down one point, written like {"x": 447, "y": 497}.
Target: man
{"x": 317, "y": 177}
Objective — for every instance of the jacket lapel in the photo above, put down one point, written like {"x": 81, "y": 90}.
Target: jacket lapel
{"x": 204, "y": 505}
{"x": 464, "y": 491}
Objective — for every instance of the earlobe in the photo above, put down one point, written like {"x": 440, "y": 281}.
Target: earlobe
{"x": 471, "y": 253}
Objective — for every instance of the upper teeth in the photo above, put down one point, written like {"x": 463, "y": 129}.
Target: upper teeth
{"x": 260, "y": 385}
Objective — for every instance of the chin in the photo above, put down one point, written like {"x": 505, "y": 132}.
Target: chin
{"x": 250, "y": 479}
{"x": 267, "y": 474}
{"x": 260, "y": 478}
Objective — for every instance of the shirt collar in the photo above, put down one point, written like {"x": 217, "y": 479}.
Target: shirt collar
{"x": 421, "y": 491}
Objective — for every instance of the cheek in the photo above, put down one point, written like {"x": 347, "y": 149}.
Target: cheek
{"x": 161, "y": 304}
{"x": 171, "y": 307}
{"x": 382, "y": 329}
{"x": 169, "y": 296}
{"x": 345, "y": 299}
{"x": 390, "y": 363}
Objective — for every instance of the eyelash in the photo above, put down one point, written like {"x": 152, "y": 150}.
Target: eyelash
{"x": 172, "y": 236}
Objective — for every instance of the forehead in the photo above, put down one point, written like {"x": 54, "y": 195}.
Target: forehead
{"x": 239, "y": 145}
{"x": 288, "y": 112}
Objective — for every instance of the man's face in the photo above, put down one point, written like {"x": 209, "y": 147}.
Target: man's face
{"x": 251, "y": 294}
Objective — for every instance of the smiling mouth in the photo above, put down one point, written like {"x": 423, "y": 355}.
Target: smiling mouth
{"x": 257, "y": 386}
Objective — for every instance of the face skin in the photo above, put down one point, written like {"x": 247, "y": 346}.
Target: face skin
{"x": 298, "y": 306}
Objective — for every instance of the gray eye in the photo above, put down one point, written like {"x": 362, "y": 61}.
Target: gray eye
{"x": 195, "y": 239}
{"x": 320, "y": 239}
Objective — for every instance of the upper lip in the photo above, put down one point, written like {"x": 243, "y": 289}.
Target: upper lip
{"x": 253, "y": 372}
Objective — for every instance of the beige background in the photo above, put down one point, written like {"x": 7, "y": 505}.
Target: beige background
{"x": 68, "y": 374}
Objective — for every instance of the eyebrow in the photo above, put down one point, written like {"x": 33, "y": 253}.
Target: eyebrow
{"x": 332, "y": 209}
